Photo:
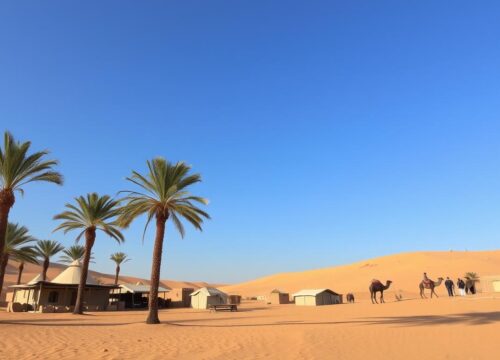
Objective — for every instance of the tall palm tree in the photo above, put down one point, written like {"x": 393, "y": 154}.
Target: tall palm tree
{"x": 18, "y": 168}
{"x": 119, "y": 258}
{"x": 164, "y": 196}
{"x": 46, "y": 249}
{"x": 17, "y": 247}
{"x": 74, "y": 252}
{"x": 89, "y": 214}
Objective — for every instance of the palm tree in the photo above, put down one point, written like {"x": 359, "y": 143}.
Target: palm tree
{"x": 18, "y": 168}
{"x": 46, "y": 249}
{"x": 90, "y": 213}
{"x": 17, "y": 247}
{"x": 472, "y": 276}
{"x": 73, "y": 253}
{"x": 119, "y": 258}
{"x": 165, "y": 196}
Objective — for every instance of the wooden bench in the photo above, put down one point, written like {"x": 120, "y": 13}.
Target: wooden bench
{"x": 224, "y": 307}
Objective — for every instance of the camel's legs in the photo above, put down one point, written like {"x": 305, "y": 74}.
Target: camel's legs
{"x": 422, "y": 293}
{"x": 382, "y": 297}
{"x": 433, "y": 292}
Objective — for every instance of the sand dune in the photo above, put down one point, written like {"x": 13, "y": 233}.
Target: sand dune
{"x": 405, "y": 270}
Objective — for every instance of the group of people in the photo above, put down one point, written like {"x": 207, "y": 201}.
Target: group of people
{"x": 463, "y": 287}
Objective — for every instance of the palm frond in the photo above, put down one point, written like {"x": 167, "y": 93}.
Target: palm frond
{"x": 17, "y": 168}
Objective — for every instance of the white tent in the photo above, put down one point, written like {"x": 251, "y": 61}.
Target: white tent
{"x": 204, "y": 297}
{"x": 315, "y": 297}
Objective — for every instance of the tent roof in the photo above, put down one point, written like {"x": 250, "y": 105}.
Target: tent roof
{"x": 209, "y": 291}
{"x": 36, "y": 279}
{"x": 72, "y": 275}
{"x": 313, "y": 292}
{"x": 141, "y": 288}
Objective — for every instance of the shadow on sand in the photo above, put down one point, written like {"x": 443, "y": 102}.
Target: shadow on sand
{"x": 471, "y": 318}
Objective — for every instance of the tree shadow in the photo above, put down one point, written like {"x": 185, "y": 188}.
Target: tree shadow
{"x": 471, "y": 318}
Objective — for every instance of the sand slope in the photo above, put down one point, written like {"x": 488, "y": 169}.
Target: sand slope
{"x": 405, "y": 270}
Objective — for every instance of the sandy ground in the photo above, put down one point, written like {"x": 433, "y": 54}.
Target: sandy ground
{"x": 444, "y": 328}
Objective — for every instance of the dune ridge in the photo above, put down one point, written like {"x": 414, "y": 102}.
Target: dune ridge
{"x": 404, "y": 269}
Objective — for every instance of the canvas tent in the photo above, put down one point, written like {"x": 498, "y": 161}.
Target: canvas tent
{"x": 316, "y": 297}
{"x": 59, "y": 295}
{"x": 204, "y": 297}
{"x": 278, "y": 297}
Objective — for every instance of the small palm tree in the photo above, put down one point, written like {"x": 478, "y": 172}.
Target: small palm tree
{"x": 46, "y": 249}
{"x": 164, "y": 196}
{"x": 73, "y": 253}
{"x": 90, "y": 213}
{"x": 472, "y": 276}
{"x": 17, "y": 247}
{"x": 18, "y": 168}
{"x": 26, "y": 254}
{"x": 119, "y": 258}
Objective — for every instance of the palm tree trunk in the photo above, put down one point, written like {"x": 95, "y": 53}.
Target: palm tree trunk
{"x": 46, "y": 264}
{"x": 155, "y": 270}
{"x": 89, "y": 242}
{"x": 117, "y": 273}
{"x": 7, "y": 200}
{"x": 20, "y": 272}
{"x": 3, "y": 265}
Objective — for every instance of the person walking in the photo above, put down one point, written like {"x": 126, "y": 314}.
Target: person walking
{"x": 461, "y": 287}
{"x": 449, "y": 286}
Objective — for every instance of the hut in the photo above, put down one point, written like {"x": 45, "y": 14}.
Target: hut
{"x": 316, "y": 297}
{"x": 278, "y": 297}
{"x": 206, "y": 296}
{"x": 136, "y": 295}
{"x": 180, "y": 297}
{"x": 234, "y": 299}
{"x": 59, "y": 295}
{"x": 490, "y": 284}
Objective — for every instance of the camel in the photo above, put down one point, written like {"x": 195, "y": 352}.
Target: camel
{"x": 377, "y": 286}
{"x": 350, "y": 297}
{"x": 429, "y": 285}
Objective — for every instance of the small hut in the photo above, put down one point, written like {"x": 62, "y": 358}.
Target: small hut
{"x": 180, "y": 297}
{"x": 490, "y": 284}
{"x": 278, "y": 297}
{"x": 316, "y": 297}
{"x": 206, "y": 296}
{"x": 234, "y": 299}
{"x": 59, "y": 295}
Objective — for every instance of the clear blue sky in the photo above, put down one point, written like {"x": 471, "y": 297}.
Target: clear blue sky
{"x": 326, "y": 132}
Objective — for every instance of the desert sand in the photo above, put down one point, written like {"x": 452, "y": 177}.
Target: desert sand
{"x": 442, "y": 328}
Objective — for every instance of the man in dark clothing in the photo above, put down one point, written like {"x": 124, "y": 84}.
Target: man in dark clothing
{"x": 461, "y": 287}
{"x": 449, "y": 286}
